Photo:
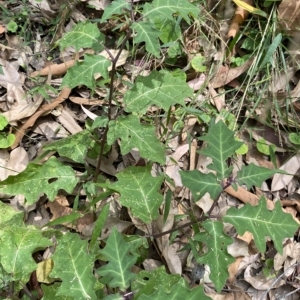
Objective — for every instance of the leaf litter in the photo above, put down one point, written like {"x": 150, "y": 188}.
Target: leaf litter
{"x": 26, "y": 114}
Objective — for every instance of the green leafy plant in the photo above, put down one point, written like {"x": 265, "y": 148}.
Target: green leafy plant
{"x": 97, "y": 269}
{"x": 17, "y": 20}
{"x": 6, "y": 139}
{"x": 198, "y": 63}
{"x": 12, "y": 26}
{"x": 221, "y": 145}
{"x": 294, "y": 138}
{"x": 263, "y": 147}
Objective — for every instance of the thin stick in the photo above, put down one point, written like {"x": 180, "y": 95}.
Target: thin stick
{"x": 111, "y": 92}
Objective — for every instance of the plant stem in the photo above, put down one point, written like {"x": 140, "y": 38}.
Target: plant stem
{"x": 202, "y": 218}
{"x": 110, "y": 98}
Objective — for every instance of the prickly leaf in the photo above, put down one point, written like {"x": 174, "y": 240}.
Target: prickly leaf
{"x": 139, "y": 191}
{"x": 220, "y": 146}
{"x": 120, "y": 261}
{"x": 263, "y": 223}
{"x": 160, "y": 89}
{"x": 216, "y": 257}
{"x": 73, "y": 264}
{"x": 133, "y": 134}
{"x": 17, "y": 244}
{"x": 36, "y": 179}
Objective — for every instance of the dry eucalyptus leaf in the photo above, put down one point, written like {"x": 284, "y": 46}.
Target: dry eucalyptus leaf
{"x": 13, "y": 163}
{"x": 280, "y": 181}
{"x": 260, "y": 281}
{"x": 172, "y": 167}
{"x": 112, "y": 222}
{"x": 218, "y": 99}
{"x": 67, "y": 120}
{"x": 189, "y": 123}
{"x": 291, "y": 252}
{"x": 238, "y": 248}
{"x": 240, "y": 16}
{"x": 168, "y": 250}
{"x": 205, "y": 203}
{"x": 289, "y": 14}
{"x": 50, "y": 129}
{"x": 225, "y": 75}
{"x": 12, "y": 81}
{"x": 86, "y": 101}
{"x": 281, "y": 79}
{"x": 151, "y": 264}
{"x": 23, "y": 110}
{"x": 42, "y": 5}
{"x": 38, "y": 218}
{"x": 99, "y": 4}
{"x": 90, "y": 114}
{"x": 197, "y": 83}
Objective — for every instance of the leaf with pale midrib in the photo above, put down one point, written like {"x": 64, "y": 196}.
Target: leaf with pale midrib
{"x": 74, "y": 266}
{"x": 36, "y": 179}
{"x": 120, "y": 261}
{"x": 160, "y": 89}
{"x": 140, "y": 191}
{"x": 263, "y": 223}
{"x": 133, "y": 134}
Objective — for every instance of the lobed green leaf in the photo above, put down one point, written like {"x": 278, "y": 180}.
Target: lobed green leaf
{"x": 148, "y": 282}
{"x": 167, "y": 8}
{"x": 160, "y": 89}
{"x": 220, "y": 146}
{"x": 10, "y": 216}
{"x": 16, "y": 248}
{"x": 217, "y": 256}
{"x": 146, "y": 33}
{"x": 200, "y": 183}
{"x": 178, "y": 291}
{"x": 74, "y": 147}
{"x": 139, "y": 191}
{"x": 133, "y": 134}
{"x": 115, "y": 8}
{"x": 36, "y": 179}
{"x": 82, "y": 73}
{"x": 170, "y": 30}
{"x": 83, "y": 35}
{"x": 253, "y": 175}
{"x": 119, "y": 261}
{"x": 263, "y": 223}
{"x": 74, "y": 266}
{"x": 50, "y": 292}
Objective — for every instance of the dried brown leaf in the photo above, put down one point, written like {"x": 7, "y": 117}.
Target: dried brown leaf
{"x": 225, "y": 75}
{"x": 289, "y": 14}
{"x": 54, "y": 69}
{"x": 290, "y": 256}
{"x": 217, "y": 99}
{"x": 85, "y": 101}
{"x": 64, "y": 94}
{"x": 66, "y": 118}
{"x": 240, "y": 16}
{"x": 12, "y": 81}
{"x": 259, "y": 281}
{"x": 280, "y": 181}
{"x": 12, "y": 163}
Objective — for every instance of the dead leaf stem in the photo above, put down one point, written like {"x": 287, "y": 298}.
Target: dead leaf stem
{"x": 64, "y": 94}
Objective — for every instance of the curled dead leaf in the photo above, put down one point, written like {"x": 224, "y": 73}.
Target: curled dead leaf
{"x": 280, "y": 181}
{"x": 225, "y": 75}
{"x": 289, "y": 14}
{"x": 240, "y": 16}
{"x": 64, "y": 94}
